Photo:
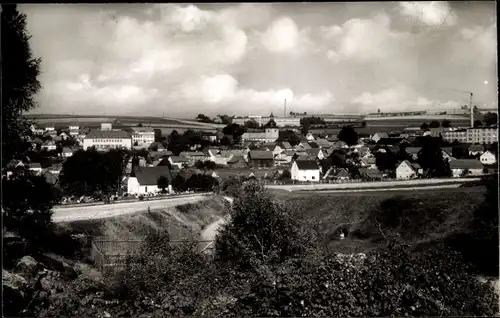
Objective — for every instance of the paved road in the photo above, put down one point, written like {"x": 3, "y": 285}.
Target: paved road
{"x": 209, "y": 233}
{"x": 70, "y": 214}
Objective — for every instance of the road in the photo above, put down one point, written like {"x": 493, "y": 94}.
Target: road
{"x": 71, "y": 214}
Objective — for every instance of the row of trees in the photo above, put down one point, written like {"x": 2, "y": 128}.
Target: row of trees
{"x": 488, "y": 119}
{"x": 196, "y": 182}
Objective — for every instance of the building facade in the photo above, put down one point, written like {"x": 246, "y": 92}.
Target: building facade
{"x": 104, "y": 140}
{"x": 262, "y": 120}
{"x": 143, "y": 136}
{"x": 268, "y": 135}
{"x": 305, "y": 171}
{"x": 459, "y": 135}
{"x": 482, "y": 135}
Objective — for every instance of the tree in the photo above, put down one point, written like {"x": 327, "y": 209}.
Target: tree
{"x": 20, "y": 71}
{"x": 204, "y": 119}
{"x": 446, "y": 123}
{"x": 162, "y": 183}
{"x": 200, "y": 165}
{"x": 234, "y": 130}
{"x": 434, "y": 124}
{"x": 348, "y": 135}
{"x": 179, "y": 183}
{"x": 139, "y": 125}
{"x": 478, "y": 123}
{"x": 27, "y": 205}
{"x": 261, "y": 231}
{"x": 378, "y": 111}
{"x": 430, "y": 158}
{"x": 209, "y": 165}
{"x": 490, "y": 119}
{"x": 252, "y": 124}
{"x": 424, "y": 126}
{"x": 92, "y": 173}
{"x": 385, "y": 161}
{"x": 475, "y": 110}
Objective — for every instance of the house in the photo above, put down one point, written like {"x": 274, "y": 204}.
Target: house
{"x": 380, "y": 135}
{"x": 476, "y": 150}
{"x": 49, "y": 146}
{"x": 55, "y": 168}
{"x": 413, "y": 152}
{"x": 323, "y": 143}
{"x": 316, "y": 152}
{"x": 63, "y": 135}
{"x": 305, "y": 171}
{"x": 236, "y": 161}
{"x": 178, "y": 161}
{"x": 67, "y": 152}
{"x": 488, "y": 158}
{"x": 372, "y": 174}
{"x": 284, "y": 158}
{"x": 285, "y": 145}
{"x": 341, "y": 174}
{"x": 268, "y": 135}
{"x": 466, "y": 167}
{"x": 145, "y": 179}
{"x": 73, "y": 126}
{"x": 313, "y": 144}
{"x": 37, "y": 130}
{"x": 143, "y": 136}
{"x": 260, "y": 158}
{"x": 193, "y": 156}
{"x": 157, "y": 146}
{"x": 35, "y": 167}
{"x": 369, "y": 162}
{"x": 407, "y": 170}
{"x": 51, "y": 178}
{"x": 310, "y": 137}
{"x": 340, "y": 145}
{"x": 50, "y": 133}
{"x": 49, "y": 127}
{"x": 302, "y": 146}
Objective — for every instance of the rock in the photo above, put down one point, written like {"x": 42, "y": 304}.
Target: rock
{"x": 69, "y": 271}
{"x": 13, "y": 293}
{"x": 27, "y": 265}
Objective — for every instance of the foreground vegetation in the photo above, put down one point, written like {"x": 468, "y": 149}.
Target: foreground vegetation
{"x": 270, "y": 260}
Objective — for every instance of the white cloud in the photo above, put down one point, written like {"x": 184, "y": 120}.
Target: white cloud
{"x": 433, "y": 13}
{"x": 284, "y": 36}
{"x": 364, "y": 40}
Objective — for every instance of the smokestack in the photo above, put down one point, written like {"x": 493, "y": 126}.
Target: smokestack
{"x": 284, "y": 111}
{"x": 471, "y": 112}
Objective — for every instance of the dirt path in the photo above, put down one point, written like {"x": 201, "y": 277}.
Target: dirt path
{"x": 70, "y": 214}
{"x": 210, "y": 232}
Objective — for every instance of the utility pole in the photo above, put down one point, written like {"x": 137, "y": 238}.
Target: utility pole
{"x": 284, "y": 111}
{"x": 471, "y": 111}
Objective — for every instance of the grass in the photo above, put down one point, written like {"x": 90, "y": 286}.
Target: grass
{"x": 180, "y": 220}
{"x": 421, "y": 217}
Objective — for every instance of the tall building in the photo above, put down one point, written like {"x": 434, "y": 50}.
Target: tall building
{"x": 482, "y": 135}
{"x": 268, "y": 135}
{"x": 104, "y": 140}
{"x": 459, "y": 135}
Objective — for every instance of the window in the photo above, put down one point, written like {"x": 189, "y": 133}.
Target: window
{"x": 313, "y": 177}
{"x": 146, "y": 189}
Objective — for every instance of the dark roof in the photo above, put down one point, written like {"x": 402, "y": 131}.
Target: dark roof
{"x": 235, "y": 158}
{"x": 476, "y": 148}
{"x": 34, "y": 165}
{"x": 260, "y": 155}
{"x": 313, "y": 144}
{"x": 178, "y": 159}
{"x": 93, "y": 134}
{"x": 313, "y": 151}
{"x": 466, "y": 164}
{"x": 412, "y": 150}
{"x": 307, "y": 165}
{"x": 150, "y": 175}
{"x": 415, "y": 166}
{"x": 342, "y": 173}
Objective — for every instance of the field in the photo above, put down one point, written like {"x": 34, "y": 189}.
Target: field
{"x": 418, "y": 216}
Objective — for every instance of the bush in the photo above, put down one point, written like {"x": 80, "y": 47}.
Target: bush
{"x": 262, "y": 231}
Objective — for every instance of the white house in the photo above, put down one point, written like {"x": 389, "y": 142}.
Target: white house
{"x": 35, "y": 167}
{"x": 377, "y": 136}
{"x": 49, "y": 146}
{"x": 143, "y": 136}
{"x": 488, "y": 158}
{"x": 305, "y": 171}
{"x": 145, "y": 179}
{"x": 178, "y": 161}
{"x": 466, "y": 167}
{"x": 407, "y": 170}
{"x": 49, "y": 127}
{"x": 74, "y": 126}
{"x": 64, "y": 136}
{"x": 310, "y": 137}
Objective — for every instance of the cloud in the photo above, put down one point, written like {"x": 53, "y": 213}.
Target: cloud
{"x": 432, "y": 13}
{"x": 223, "y": 89}
{"x": 184, "y": 59}
{"x": 398, "y": 99}
{"x": 364, "y": 40}
{"x": 284, "y": 36}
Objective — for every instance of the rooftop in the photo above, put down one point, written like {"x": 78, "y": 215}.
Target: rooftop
{"x": 150, "y": 175}
{"x": 260, "y": 155}
{"x": 466, "y": 164}
{"x": 307, "y": 165}
{"x": 107, "y": 134}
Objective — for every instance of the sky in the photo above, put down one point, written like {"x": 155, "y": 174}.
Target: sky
{"x": 246, "y": 59}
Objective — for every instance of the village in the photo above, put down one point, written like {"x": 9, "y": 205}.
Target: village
{"x": 276, "y": 155}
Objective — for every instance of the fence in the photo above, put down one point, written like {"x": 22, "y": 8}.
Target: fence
{"x": 110, "y": 255}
